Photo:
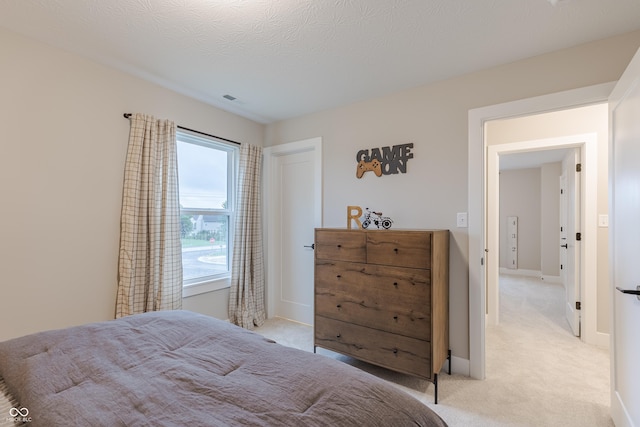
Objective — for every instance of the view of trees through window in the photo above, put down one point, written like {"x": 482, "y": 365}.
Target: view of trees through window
{"x": 204, "y": 176}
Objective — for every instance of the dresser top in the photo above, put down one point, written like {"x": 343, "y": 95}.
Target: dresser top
{"x": 369, "y": 230}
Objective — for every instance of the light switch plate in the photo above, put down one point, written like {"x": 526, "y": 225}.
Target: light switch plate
{"x": 462, "y": 220}
{"x": 603, "y": 220}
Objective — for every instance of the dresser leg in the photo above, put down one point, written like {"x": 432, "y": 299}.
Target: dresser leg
{"x": 314, "y": 348}
{"x": 449, "y": 358}
{"x": 435, "y": 385}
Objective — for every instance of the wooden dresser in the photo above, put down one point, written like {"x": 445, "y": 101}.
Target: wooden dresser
{"x": 382, "y": 296}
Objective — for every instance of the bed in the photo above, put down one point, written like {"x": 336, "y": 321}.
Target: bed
{"x": 178, "y": 368}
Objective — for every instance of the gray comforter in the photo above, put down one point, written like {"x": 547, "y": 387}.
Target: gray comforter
{"x": 178, "y": 368}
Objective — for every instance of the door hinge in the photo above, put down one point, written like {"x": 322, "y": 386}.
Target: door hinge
{"x": 578, "y": 236}
{"x": 578, "y": 305}
{"x": 578, "y": 167}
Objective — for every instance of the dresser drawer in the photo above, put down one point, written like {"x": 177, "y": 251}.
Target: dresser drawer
{"x": 399, "y": 248}
{"x": 392, "y": 299}
{"x": 388, "y": 350}
{"x": 340, "y": 245}
{"x": 413, "y": 282}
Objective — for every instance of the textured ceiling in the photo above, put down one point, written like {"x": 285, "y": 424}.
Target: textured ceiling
{"x": 286, "y": 58}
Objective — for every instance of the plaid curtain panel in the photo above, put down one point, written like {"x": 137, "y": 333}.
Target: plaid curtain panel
{"x": 246, "y": 299}
{"x": 150, "y": 262}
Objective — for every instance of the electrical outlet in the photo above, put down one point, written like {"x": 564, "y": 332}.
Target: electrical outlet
{"x": 462, "y": 220}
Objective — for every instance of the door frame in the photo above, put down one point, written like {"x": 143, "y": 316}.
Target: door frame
{"x": 271, "y": 206}
{"x": 588, "y": 146}
{"x": 477, "y": 190}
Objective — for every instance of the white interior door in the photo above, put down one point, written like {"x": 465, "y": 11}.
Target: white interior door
{"x": 563, "y": 229}
{"x": 624, "y": 210}
{"x": 293, "y": 206}
{"x": 570, "y": 245}
{"x": 295, "y": 299}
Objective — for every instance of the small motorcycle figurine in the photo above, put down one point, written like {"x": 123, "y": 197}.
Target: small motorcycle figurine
{"x": 377, "y": 219}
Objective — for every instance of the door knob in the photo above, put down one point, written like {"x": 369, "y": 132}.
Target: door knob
{"x": 312, "y": 246}
{"x": 564, "y": 246}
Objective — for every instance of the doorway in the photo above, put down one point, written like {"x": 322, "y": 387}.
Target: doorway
{"x": 539, "y": 209}
{"x": 533, "y": 235}
{"x": 480, "y": 246}
{"x": 588, "y": 144}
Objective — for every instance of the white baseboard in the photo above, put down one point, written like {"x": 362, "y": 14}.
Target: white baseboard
{"x": 531, "y": 273}
{"x": 521, "y": 272}
{"x": 619, "y": 413}
{"x": 602, "y": 340}
{"x": 458, "y": 366}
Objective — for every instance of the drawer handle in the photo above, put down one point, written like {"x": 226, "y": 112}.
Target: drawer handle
{"x": 395, "y": 351}
{"x": 339, "y": 246}
{"x": 395, "y": 250}
{"x": 339, "y": 306}
{"x": 339, "y": 276}
{"x": 395, "y": 284}
{"x": 395, "y": 318}
{"x": 339, "y": 335}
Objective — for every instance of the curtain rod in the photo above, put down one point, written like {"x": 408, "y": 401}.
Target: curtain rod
{"x": 128, "y": 115}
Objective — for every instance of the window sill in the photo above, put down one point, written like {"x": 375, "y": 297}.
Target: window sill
{"x": 204, "y": 287}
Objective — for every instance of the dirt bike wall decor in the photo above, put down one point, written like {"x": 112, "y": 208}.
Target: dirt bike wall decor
{"x": 384, "y": 161}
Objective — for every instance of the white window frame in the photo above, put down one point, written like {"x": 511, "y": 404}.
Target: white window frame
{"x": 215, "y": 282}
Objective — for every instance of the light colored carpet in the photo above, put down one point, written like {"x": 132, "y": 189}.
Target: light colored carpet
{"x": 538, "y": 374}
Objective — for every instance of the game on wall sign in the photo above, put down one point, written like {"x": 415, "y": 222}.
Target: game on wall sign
{"x": 384, "y": 161}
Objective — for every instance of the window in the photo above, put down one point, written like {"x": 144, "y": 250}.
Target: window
{"x": 206, "y": 179}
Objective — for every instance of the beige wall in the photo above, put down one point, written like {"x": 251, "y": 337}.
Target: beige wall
{"x": 591, "y": 119}
{"x": 520, "y": 195}
{"x": 62, "y": 149}
{"x": 64, "y": 139}
{"x": 435, "y": 117}
{"x": 531, "y": 194}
